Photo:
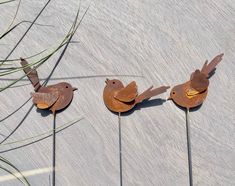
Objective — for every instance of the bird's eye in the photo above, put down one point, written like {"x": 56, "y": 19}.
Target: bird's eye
{"x": 67, "y": 87}
{"x": 173, "y": 92}
{"x": 113, "y": 82}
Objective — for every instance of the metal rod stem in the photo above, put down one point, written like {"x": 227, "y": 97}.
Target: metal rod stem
{"x": 189, "y": 149}
{"x": 54, "y": 151}
{"x": 120, "y": 146}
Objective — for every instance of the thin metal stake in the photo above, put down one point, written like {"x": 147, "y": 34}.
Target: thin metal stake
{"x": 120, "y": 146}
{"x": 189, "y": 149}
{"x": 54, "y": 150}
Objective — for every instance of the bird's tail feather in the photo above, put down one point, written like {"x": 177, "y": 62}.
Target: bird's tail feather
{"x": 209, "y": 68}
{"x": 31, "y": 74}
{"x": 150, "y": 93}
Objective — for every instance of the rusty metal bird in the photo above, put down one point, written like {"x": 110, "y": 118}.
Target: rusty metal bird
{"x": 193, "y": 92}
{"x": 54, "y": 97}
{"x": 120, "y": 99}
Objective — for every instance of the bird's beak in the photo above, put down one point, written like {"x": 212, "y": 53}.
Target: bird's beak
{"x": 106, "y": 81}
{"x": 74, "y": 88}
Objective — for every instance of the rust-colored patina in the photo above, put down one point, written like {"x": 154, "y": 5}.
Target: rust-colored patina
{"x": 192, "y": 93}
{"x": 54, "y": 97}
{"x": 120, "y": 99}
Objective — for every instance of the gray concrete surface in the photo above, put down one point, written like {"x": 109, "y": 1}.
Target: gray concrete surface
{"x": 163, "y": 41}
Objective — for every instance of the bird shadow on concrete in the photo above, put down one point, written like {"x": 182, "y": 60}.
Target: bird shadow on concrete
{"x": 211, "y": 73}
{"x": 184, "y": 109}
{"x": 195, "y": 108}
{"x": 144, "y": 104}
{"x": 46, "y": 112}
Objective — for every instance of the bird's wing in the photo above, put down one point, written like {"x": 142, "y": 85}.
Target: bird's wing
{"x": 198, "y": 84}
{"x": 191, "y": 93}
{"x": 128, "y": 93}
{"x": 45, "y": 100}
{"x": 199, "y": 81}
{"x": 207, "y": 69}
{"x": 31, "y": 74}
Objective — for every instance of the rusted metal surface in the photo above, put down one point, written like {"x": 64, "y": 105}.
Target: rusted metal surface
{"x": 192, "y": 93}
{"x": 118, "y": 98}
{"x": 54, "y": 97}
{"x": 31, "y": 73}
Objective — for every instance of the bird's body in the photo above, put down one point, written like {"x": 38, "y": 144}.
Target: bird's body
{"x": 122, "y": 99}
{"x": 193, "y": 92}
{"x": 53, "y": 97}
{"x": 114, "y": 104}
{"x": 187, "y": 99}
{"x": 60, "y": 94}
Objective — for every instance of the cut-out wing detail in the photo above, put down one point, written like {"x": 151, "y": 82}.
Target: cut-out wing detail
{"x": 191, "y": 93}
{"x": 151, "y": 92}
{"x": 128, "y": 93}
{"x": 31, "y": 74}
{"x": 199, "y": 81}
{"x": 45, "y": 100}
{"x": 209, "y": 68}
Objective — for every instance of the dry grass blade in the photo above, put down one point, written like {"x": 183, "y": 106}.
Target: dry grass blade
{"x": 37, "y": 138}
{"x": 11, "y": 173}
{"x": 29, "y": 57}
{"x": 3, "y": 2}
{"x": 38, "y": 63}
{"x": 13, "y": 170}
{"x": 65, "y": 41}
{"x": 13, "y": 19}
{"x": 15, "y": 26}
{"x": 44, "y": 7}
{"x": 27, "y": 173}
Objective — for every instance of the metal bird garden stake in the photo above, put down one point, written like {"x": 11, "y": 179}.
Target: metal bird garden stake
{"x": 54, "y": 98}
{"x": 119, "y": 98}
{"x": 191, "y": 94}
